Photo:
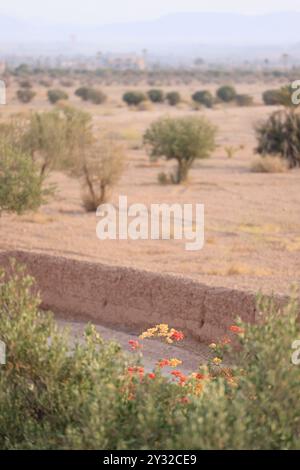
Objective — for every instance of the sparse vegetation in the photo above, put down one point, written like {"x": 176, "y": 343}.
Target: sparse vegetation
{"x": 204, "y": 97}
{"x": 134, "y": 98}
{"x": 226, "y": 93}
{"x": 56, "y": 95}
{"x": 102, "y": 167}
{"x": 244, "y": 100}
{"x": 269, "y": 164}
{"x": 91, "y": 94}
{"x": 25, "y": 95}
{"x": 173, "y": 98}
{"x": 181, "y": 139}
{"x": 280, "y": 135}
{"x": 156, "y": 96}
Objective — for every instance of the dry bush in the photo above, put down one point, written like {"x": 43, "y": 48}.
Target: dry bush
{"x": 102, "y": 167}
{"x": 269, "y": 164}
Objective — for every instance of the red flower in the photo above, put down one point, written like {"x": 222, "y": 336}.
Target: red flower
{"x": 184, "y": 400}
{"x": 179, "y": 375}
{"x": 134, "y": 345}
{"x": 163, "y": 363}
{"x": 200, "y": 376}
{"x": 226, "y": 340}
{"x": 236, "y": 329}
{"x": 177, "y": 335}
{"x": 151, "y": 375}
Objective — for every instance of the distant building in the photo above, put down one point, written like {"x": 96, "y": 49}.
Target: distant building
{"x": 123, "y": 62}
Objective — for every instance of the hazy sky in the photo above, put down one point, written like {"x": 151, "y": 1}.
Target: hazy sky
{"x": 108, "y": 11}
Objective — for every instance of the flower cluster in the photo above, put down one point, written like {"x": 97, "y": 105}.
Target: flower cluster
{"x": 194, "y": 383}
{"x": 163, "y": 331}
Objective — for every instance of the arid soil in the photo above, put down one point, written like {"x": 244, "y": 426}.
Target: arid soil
{"x": 252, "y": 221}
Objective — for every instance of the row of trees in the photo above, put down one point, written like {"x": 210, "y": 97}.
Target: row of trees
{"x": 63, "y": 140}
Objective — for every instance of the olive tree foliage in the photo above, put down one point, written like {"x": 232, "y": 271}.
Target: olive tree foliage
{"x": 21, "y": 186}
{"x": 56, "y": 138}
{"x": 182, "y": 139}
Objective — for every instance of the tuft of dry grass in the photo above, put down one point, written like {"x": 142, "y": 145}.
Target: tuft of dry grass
{"x": 269, "y": 164}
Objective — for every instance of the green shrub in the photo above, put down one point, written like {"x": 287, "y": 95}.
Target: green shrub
{"x": 182, "y": 139}
{"x": 25, "y": 84}
{"x": 55, "y": 395}
{"x": 25, "y": 95}
{"x": 204, "y": 97}
{"x": 156, "y": 95}
{"x": 55, "y": 139}
{"x": 272, "y": 97}
{"x": 20, "y": 183}
{"x": 57, "y": 95}
{"x": 173, "y": 98}
{"x": 226, "y": 93}
{"x": 82, "y": 92}
{"x": 96, "y": 96}
{"x": 280, "y": 135}
{"x": 134, "y": 98}
{"x": 244, "y": 100}
{"x": 90, "y": 94}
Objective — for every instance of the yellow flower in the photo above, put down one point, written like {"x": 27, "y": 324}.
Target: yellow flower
{"x": 217, "y": 361}
{"x": 175, "y": 362}
{"x": 213, "y": 346}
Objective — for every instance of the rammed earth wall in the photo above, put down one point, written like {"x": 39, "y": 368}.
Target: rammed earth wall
{"x": 132, "y": 299}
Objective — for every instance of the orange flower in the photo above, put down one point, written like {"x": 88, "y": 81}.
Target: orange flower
{"x": 176, "y": 335}
{"x": 134, "y": 345}
{"x": 179, "y": 375}
{"x": 236, "y": 329}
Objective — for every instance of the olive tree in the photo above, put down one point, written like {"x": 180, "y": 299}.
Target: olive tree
{"x": 182, "y": 139}
{"x": 21, "y": 186}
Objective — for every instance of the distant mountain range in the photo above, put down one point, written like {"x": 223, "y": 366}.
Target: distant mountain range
{"x": 180, "y": 28}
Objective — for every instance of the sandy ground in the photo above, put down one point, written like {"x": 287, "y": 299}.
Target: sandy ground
{"x": 252, "y": 221}
{"x": 191, "y": 355}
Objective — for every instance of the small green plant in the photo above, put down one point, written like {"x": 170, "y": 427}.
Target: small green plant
{"x": 204, "y": 97}
{"x": 181, "y": 139}
{"x": 173, "y": 98}
{"x": 25, "y": 95}
{"x": 56, "y": 95}
{"x": 226, "y": 93}
{"x": 231, "y": 150}
{"x": 134, "y": 98}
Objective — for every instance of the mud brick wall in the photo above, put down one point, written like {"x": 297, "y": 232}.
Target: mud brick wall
{"x": 131, "y": 299}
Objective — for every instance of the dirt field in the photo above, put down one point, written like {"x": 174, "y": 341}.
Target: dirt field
{"x": 252, "y": 221}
